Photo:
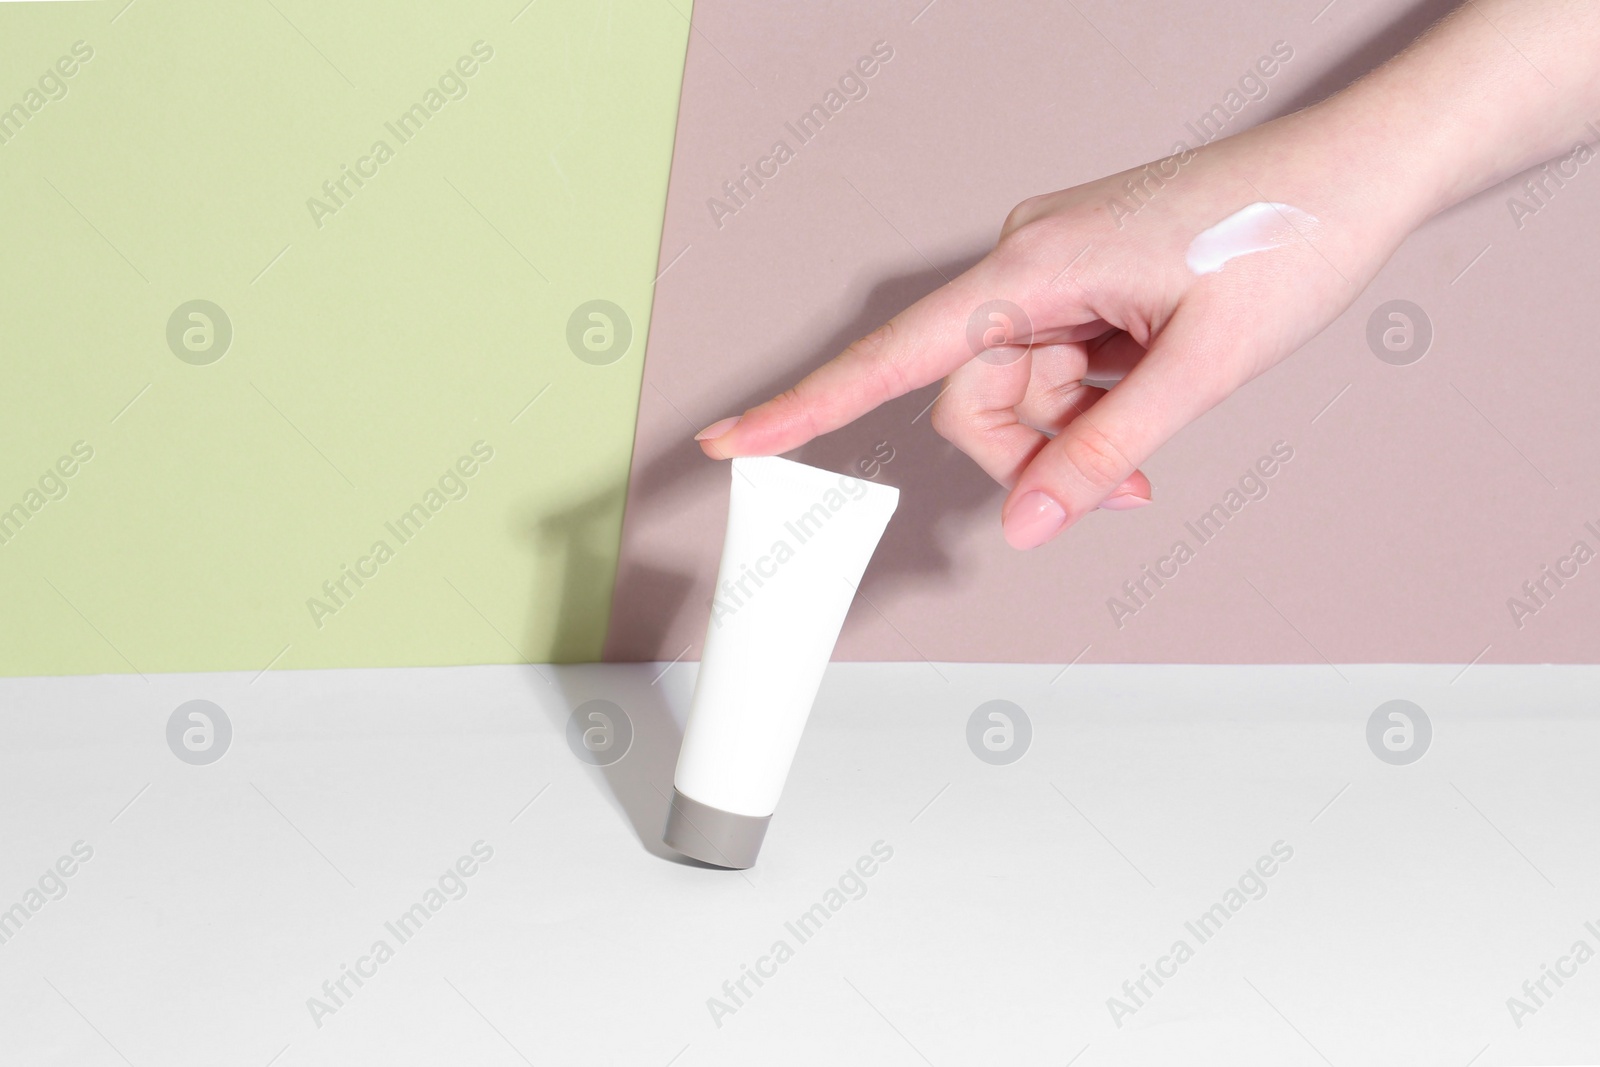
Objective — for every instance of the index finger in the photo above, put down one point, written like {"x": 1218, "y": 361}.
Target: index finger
{"x": 915, "y": 348}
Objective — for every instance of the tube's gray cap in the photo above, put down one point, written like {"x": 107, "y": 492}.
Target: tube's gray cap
{"x": 711, "y": 835}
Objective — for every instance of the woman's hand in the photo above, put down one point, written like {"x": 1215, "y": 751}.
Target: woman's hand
{"x": 1095, "y": 284}
{"x": 1186, "y": 278}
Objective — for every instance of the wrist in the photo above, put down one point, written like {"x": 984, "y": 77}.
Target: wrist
{"x": 1497, "y": 87}
{"x": 1410, "y": 160}
{"x": 1367, "y": 184}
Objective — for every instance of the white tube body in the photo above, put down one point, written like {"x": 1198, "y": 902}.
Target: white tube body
{"x": 798, "y": 541}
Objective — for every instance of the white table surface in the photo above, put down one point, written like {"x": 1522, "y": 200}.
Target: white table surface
{"x": 1017, "y": 900}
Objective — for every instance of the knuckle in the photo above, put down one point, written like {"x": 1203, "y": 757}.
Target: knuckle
{"x": 797, "y": 411}
{"x": 945, "y": 419}
{"x": 1096, "y": 458}
{"x": 1017, "y": 240}
{"x": 1030, "y": 212}
{"x": 1067, "y": 398}
{"x": 871, "y": 346}
{"x": 1021, "y": 215}
{"x": 878, "y": 353}
{"x": 1029, "y": 241}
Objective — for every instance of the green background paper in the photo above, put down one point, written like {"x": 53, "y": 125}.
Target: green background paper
{"x": 368, "y": 354}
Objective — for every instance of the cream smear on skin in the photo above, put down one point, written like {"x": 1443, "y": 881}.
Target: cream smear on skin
{"x": 1258, "y": 227}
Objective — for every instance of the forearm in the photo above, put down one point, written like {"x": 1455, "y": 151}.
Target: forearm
{"x": 1495, "y": 88}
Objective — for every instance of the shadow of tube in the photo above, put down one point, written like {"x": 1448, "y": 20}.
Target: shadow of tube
{"x": 639, "y": 777}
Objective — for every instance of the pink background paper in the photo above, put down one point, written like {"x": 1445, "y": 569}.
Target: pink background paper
{"x": 1419, "y": 499}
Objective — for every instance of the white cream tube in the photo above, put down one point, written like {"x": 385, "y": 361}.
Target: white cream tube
{"x": 798, "y": 541}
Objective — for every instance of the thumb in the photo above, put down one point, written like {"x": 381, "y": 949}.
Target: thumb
{"x": 1180, "y": 378}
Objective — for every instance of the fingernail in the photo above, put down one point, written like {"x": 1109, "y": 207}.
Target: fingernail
{"x": 1124, "y": 502}
{"x": 1033, "y": 520}
{"x": 717, "y": 429}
